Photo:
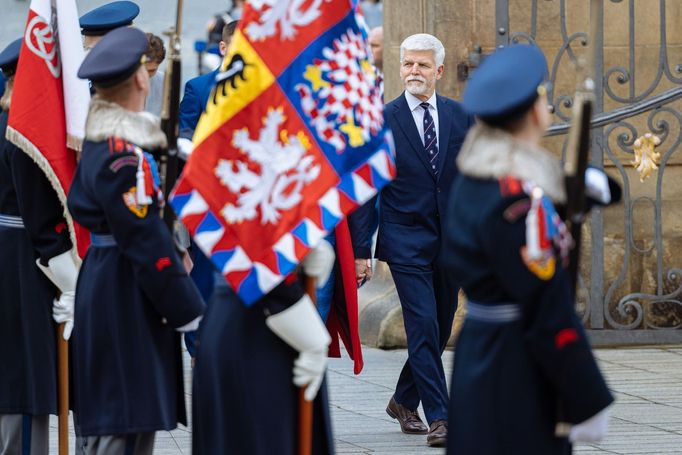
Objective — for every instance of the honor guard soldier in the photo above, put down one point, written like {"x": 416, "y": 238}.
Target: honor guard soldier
{"x": 38, "y": 264}
{"x": 101, "y": 20}
{"x": 134, "y": 294}
{"x": 523, "y": 361}
{"x": 250, "y": 363}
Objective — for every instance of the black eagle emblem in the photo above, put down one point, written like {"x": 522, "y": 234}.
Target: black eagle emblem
{"x": 235, "y": 70}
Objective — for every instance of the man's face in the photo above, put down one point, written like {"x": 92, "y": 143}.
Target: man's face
{"x": 544, "y": 116}
{"x": 152, "y": 67}
{"x": 419, "y": 73}
{"x": 223, "y": 47}
{"x": 142, "y": 78}
{"x": 376, "y": 43}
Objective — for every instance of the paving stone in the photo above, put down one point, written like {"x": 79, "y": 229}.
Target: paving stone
{"x": 646, "y": 419}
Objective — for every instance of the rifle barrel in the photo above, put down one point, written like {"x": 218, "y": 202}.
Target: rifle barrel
{"x": 170, "y": 113}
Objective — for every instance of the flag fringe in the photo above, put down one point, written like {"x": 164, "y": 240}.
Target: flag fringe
{"x": 32, "y": 151}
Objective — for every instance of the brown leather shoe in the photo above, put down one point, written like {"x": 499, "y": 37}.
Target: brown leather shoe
{"x": 410, "y": 423}
{"x": 438, "y": 433}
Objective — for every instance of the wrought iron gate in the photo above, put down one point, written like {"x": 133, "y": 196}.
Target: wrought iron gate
{"x": 631, "y": 275}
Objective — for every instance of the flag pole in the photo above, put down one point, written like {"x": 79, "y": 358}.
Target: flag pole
{"x": 63, "y": 382}
{"x": 305, "y": 416}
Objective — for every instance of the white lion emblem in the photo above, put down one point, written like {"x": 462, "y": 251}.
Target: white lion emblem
{"x": 284, "y": 170}
{"x": 289, "y": 14}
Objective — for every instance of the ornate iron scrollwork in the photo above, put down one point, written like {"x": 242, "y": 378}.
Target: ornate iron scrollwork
{"x": 609, "y": 298}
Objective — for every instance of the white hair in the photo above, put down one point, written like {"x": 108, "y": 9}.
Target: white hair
{"x": 423, "y": 42}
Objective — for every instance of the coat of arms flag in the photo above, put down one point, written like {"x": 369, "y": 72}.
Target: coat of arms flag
{"x": 292, "y": 140}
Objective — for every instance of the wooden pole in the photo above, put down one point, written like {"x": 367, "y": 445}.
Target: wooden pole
{"x": 305, "y": 416}
{"x": 63, "y": 384}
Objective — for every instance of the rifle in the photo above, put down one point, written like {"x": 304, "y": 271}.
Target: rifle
{"x": 578, "y": 147}
{"x": 577, "y": 152}
{"x": 170, "y": 111}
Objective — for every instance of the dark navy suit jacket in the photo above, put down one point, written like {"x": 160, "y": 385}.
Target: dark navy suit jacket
{"x": 197, "y": 91}
{"x": 412, "y": 207}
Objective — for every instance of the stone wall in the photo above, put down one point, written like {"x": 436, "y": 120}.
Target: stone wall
{"x": 630, "y": 253}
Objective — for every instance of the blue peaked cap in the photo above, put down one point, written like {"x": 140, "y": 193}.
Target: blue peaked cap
{"x": 108, "y": 17}
{"x": 10, "y": 56}
{"x": 115, "y": 57}
{"x": 506, "y": 81}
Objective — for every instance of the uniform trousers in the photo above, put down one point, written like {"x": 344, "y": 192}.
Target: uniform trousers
{"x": 122, "y": 444}
{"x": 24, "y": 434}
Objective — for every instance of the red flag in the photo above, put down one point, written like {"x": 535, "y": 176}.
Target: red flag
{"x": 342, "y": 321}
{"x": 38, "y": 118}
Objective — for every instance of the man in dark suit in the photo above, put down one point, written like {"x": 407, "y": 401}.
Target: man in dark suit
{"x": 428, "y": 131}
{"x": 198, "y": 89}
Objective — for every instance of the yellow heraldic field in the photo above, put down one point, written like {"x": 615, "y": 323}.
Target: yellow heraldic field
{"x": 243, "y": 77}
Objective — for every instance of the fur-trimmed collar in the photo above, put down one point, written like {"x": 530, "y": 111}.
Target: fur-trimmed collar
{"x": 107, "y": 119}
{"x": 491, "y": 153}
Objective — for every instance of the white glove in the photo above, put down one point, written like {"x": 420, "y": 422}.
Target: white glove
{"x": 301, "y": 328}
{"x": 63, "y": 272}
{"x": 319, "y": 262}
{"x": 591, "y": 430}
{"x": 185, "y": 148}
{"x": 597, "y": 185}
{"x": 62, "y": 312}
{"x": 190, "y": 326}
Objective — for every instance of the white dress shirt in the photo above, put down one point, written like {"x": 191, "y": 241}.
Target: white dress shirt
{"x": 418, "y": 114}
{"x": 154, "y": 100}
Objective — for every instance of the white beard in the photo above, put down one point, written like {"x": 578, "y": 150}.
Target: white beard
{"x": 417, "y": 89}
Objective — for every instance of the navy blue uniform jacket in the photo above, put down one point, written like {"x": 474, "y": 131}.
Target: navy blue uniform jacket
{"x": 513, "y": 380}
{"x": 413, "y": 206}
{"x": 244, "y": 400}
{"x": 28, "y": 383}
{"x": 130, "y": 296}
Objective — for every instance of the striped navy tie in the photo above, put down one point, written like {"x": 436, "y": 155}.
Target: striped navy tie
{"x": 430, "y": 141}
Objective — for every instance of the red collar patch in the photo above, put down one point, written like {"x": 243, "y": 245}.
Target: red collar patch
{"x": 510, "y": 186}
{"x": 118, "y": 145}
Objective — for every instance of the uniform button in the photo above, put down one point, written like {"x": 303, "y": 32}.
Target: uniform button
{"x": 164, "y": 321}
{"x": 438, "y": 189}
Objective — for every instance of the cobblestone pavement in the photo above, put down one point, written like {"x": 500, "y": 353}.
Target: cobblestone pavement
{"x": 647, "y": 418}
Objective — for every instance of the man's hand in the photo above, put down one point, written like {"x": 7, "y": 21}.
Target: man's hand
{"x": 300, "y": 327}
{"x": 363, "y": 270}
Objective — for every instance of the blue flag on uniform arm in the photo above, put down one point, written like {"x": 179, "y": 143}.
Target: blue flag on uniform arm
{"x": 293, "y": 139}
